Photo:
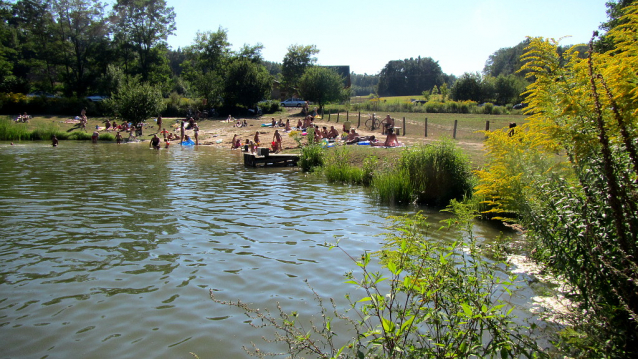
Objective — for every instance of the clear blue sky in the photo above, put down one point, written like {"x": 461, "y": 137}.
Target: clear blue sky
{"x": 459, "y": 34}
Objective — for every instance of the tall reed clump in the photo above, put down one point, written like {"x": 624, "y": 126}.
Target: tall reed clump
{"x": 337, "y": 169}
{"x": 432, "y": 174}
{"x": 393, "y": 186}
{"x": 45, "y": 132}
{"x": 106, "y": 137}
{"x": 311, "y": 156}
{"x": 79, "y": 135}
{"x": 10, "y": 131}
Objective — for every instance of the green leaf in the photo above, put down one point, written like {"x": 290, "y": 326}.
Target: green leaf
{"x": 388, "y": 326}
{"x": 407, "y": 323}
{"x": 467, "y": 309}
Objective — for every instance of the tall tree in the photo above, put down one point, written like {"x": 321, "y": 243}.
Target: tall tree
{"x": 468, "y": 87}
{"x": 410, "y": 76}
{"x": 145, "y": 25}
{"x": 321, "y": 85}
{"x": 8, "y": 53}
{"x": 506, "y": 61}
{"x": 615, "y": 11}
{"x": 36, "y": 44}
{"x": 205, "y": 64}
{"x": 246, "y": 83}
{"x": 296, "y": 61}
{"x": 136, "y": 101}
{"x": 81, "y": 27}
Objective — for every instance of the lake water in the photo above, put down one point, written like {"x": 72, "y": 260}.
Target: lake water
{"x": 110, "y": 250}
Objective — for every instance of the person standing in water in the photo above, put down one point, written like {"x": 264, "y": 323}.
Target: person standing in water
{"x": 54, "y": 141}
{"x": 155, "y": 142}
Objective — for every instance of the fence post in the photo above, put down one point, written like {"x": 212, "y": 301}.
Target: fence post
{"x": 487, "y": 125}
{"x": 426, "y": 127}
{"x": 359, "y": 121}
{"x": 338, "y": 116}
{"x": 403, "y": 126}
{"x": 347, "y": 116}
{"x": 454, "y": 133}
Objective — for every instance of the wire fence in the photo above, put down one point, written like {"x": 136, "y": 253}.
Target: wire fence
{"x": 462, "y": 127}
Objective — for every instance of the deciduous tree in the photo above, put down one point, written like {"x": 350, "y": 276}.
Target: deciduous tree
{"x": 136, "y": 101}
{"x": 246, "y": 83}
{"x": 296, "y": 61}
{"x": 144, "y": 25}
{"x": 321, "y": 85}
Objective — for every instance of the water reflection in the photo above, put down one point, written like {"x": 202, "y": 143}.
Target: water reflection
{"x": 110, "y": 250}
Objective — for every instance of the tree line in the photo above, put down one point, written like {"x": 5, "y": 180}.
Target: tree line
{"x": 80, "y": 47}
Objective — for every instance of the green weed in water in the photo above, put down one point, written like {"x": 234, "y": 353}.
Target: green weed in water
{"x": 106, "y": 137}
{"x": 311, "y": 157}
{"x": 11, "y": 131}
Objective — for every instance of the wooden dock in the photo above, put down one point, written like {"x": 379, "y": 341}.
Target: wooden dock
{"x": 270, "y": 160}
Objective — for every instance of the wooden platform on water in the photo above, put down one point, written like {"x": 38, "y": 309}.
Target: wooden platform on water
{"x": 270, "y": 160}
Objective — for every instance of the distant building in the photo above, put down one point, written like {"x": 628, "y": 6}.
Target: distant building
{"x": 343, "y": 71}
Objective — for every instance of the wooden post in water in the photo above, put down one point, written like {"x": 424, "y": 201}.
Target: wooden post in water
{"x": 403, "y": 126}
{"x": 456, "y": 122}
{"x": 359, "y": 122}
{"x": 426, "y": 127}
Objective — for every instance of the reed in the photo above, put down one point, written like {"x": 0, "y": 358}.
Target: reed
{"x": 106, "y": 137}
{"x": 79, "y": 135}
{"x": 438, "y": 172}
{"x": 338, "y": 169}
{"x": 393, "y": 186}
{"x": 10, "y": 131}
{"x": 431, "y": 175}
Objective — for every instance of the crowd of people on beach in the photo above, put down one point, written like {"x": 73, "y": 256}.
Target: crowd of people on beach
{"x": 305, "y": 125}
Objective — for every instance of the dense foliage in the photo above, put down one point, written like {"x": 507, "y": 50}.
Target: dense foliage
{"x": 431, "y": 174}
{"x": 297, "y": 60}
{"x": 136, "y": 102}
{"x": 570, "y": 176}
{"x": 410, "y": 76}
{"x": 321, "y": 85}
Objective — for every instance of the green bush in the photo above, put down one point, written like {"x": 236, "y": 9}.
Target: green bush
{"x": 270, "y": 106}
{"x": 79, "y": 135}
{"x": 311, "y": 157}
{"x": 11, "y": 131}
{"x": 432, "y": 175}
{"x": 487, "y": 108}
{"x": 337, "y": 169}
{"x": 106, "y": 137}
{"x": 393, "y": 186}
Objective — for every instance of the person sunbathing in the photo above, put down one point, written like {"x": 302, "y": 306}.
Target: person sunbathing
{"x": 333, "y": 133}
{"x": 353, "y": 137}
{"x": 390, "y": 141}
